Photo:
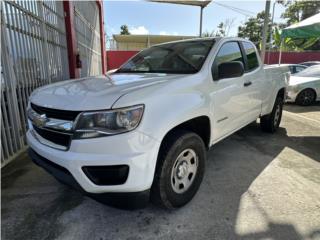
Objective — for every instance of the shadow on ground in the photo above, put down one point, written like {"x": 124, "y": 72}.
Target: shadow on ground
{"x": 294, "y": 108}
{"x": 35, "y": 206}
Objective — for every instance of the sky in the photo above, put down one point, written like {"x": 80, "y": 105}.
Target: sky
{"x": 144, "y": 17}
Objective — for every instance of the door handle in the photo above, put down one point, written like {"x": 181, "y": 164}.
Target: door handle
{"x": 246, "y": 84}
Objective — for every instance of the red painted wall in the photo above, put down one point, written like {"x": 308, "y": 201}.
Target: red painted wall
{"x": 291, "y": 57}
{"x": 116, "y": 58}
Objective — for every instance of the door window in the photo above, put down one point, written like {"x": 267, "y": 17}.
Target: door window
{"x": 229, "y": 52}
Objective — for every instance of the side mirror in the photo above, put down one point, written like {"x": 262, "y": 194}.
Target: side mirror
{"x": 230, "y": 69}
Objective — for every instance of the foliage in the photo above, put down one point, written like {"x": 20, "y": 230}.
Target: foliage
{"x": 291, "y": 44}
{"x": 124, "y": 30}
{"x": 221, "y": 32}
{"x": 297, "y": 11}
{"x": 223, "y": 29}
{"x": 208, "y": 34}
{"x": 252, "y": 29}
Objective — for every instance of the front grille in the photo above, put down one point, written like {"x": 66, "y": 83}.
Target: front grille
{"x": 59, "y": 138}
{"x": 55, "y": 136}
{"x": 56, "y": 113}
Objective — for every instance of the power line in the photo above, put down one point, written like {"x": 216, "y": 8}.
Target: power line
{"x": 235, "y": 9}
{"x": 241, "y": 11}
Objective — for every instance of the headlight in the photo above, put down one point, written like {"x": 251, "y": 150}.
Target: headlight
{"x": 104, "y": 123}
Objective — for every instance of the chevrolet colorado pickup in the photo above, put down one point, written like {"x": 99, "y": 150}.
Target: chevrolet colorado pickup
{"x": 141, "y": 133}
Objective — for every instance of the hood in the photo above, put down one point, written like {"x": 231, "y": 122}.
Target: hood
{"x": 296, "y": 80}
{"x": 95, "y": 93}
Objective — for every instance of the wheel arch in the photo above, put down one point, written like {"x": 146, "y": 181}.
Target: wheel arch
{"x": 199, "y": 125}
{"x": 267, "y": 108}
{"x": 281, "y": 93}
{"x": 309, "y": 88}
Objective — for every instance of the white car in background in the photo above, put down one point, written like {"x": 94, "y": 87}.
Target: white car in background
{"x": 310, "y": 63}
{"x": 294, "y": 68}
{"x": 304, "y": 87}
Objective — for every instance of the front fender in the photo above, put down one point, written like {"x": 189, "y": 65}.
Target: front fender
{"x": 165, "y": 110}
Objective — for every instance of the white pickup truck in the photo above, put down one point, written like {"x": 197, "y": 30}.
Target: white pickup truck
{"x": 142, "y": 132}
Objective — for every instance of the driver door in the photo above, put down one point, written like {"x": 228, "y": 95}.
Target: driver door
{"x": 228, "y": 97}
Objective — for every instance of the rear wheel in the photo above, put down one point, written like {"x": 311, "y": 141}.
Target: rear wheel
{"x": 270, "y": 123}
{"x": 306, "y": 97}
{"x": 179, "y": 170}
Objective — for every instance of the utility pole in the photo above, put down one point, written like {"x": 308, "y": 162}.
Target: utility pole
{"x": 272, "y": 18}
{"x": 201, "y": 10}
{"x": 265, "y": 30}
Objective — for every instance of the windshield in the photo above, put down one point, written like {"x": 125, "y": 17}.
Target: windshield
{"x": 313, "y": 71}
{"x": 177, "y": 57}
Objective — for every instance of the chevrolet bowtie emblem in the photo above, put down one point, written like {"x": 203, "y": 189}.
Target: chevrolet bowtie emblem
{"x": 40, "y": 121}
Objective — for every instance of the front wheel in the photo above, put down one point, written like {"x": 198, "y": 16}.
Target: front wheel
{"x": 270, "y": 123}
{"x": 180, "y": 169}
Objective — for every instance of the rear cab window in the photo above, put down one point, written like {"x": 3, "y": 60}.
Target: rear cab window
{"x": 251, "y": 55}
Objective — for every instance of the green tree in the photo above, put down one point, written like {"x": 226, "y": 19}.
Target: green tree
{"x": 252, "y": 29}
{"x": 124, "y": 30}
{"x": 223, "y": 29}
{"x": 208, "y": 34}
{"x": 292, "y": 44}
{"x": 295, "y": 11}
{"x": 299, "y": 10}
{"x": 221, "y": 32}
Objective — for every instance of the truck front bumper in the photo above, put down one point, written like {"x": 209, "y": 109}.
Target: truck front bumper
{"x": 134, "y": 150}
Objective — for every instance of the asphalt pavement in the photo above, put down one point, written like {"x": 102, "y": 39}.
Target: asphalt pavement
{"x": 256, "y": 186}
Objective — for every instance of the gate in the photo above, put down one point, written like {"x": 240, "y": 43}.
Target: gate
{"x": 87, "y": 28}
{"x": 33, "y": 53}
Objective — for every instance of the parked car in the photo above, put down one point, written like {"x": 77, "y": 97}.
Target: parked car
{"x": 294, "y": 68}
{"x": 144, "y": 130}
{"x": 304, "y": 87}
{"x": 310, "y": 63}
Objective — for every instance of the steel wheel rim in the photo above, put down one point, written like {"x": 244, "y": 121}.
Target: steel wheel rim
{"x": 184, "y": 170}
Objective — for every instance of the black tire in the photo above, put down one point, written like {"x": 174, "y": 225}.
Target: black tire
{"x": 270, "y": 123}
{"x": 306, "y": 97}
{"x": 163, "y": 191}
